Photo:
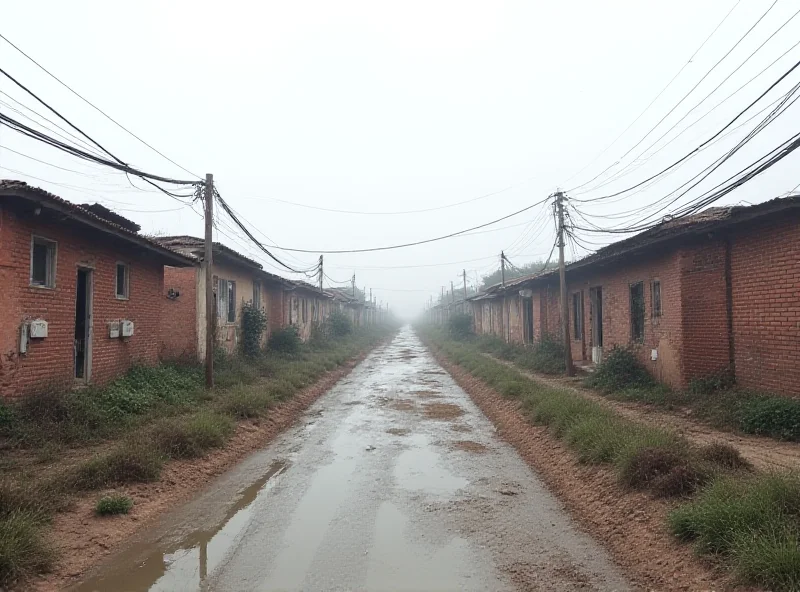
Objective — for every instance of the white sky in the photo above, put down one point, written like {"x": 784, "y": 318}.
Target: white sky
{"x": 386, "y": 106}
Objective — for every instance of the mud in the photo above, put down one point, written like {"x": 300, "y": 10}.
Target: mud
{"x": 469, "y": 446}
{"x": 342, "y": 503}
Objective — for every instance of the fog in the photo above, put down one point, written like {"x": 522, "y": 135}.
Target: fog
{"x": 374, "y": 108}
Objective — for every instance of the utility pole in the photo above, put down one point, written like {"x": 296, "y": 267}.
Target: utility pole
{"x": 502, "y": 268}
{"x": 207, "y": 262}
{"x": 506, "y": 315}
{"x": 562, "y": 274}
{"x": 320, "y": 273}
{"x": 464, "y": 273}
{"x": 353, "y": 280}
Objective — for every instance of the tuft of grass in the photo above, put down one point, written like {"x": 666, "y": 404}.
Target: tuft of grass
{"x": 243, "y": 402}
{"x": 770, "y": 558}
{"x": 724, "y": 456}
{"x": 643, "y": 465}
{"x": 24, "y": 551}
{"x": 191, "y": 436}
{"x": 620, "y": 370}
{"x": 110, "y": 505}
{"x": 130, "y": 462}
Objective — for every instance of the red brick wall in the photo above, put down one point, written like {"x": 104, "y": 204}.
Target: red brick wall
{"x": 765, "y": 264}
{"x": 49, "y": 362}
{"x": 179, "y": 316}
{"x": 663, "y": 334}
{"x": 705, "y": 319}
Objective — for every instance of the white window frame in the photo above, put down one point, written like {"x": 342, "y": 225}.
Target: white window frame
{"x": 51, "y": 263}
{"x": 127, "y": 287}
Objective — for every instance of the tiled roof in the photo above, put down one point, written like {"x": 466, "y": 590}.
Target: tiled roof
{"x": 14, "y": 188}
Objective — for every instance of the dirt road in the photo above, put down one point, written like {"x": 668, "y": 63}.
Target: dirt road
{"x": 392, "y": 481}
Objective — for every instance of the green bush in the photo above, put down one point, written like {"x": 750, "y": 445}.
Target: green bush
{"x": 708, "y": 385}
{"x": 254, "y": 323}
{"x": 191, "y": 436}
{"x": 285, "y": 341}
{"x": 130, "y": 462}
{"x": 620, "y": 370}
{"x": 231, "y": 370}
{"x": 546, "y": 356}
{"x": 771, "y": 416}
{"x": 110, "y": 505}
{"x": 459, "y": 325}
{"x": 340, "y": 324}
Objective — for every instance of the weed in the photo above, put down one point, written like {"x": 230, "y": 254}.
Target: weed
{"x": 771, "y": 416}
{"x": 285, "y": 341}
{"x": 682, "y": 480}
{"x": 644, "y": 465}
{"x": 130, "y": 462}
{"x": 191, "y": 436}
{"x": 23, "y": 548}
{"x": 620, "y": 370}
{"x": 770, "y": 558}
{"x": 254, "y": 322}
{"x": 713, "y": 383}
{"x": 459, "y": 325}
{"x": 511, "y": 388}
{"x": 243, "y": 402}
{"x": 113, "y": 504}
{"x": 723, "y": 455}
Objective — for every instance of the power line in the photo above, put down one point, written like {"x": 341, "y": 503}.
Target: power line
{"x": 663, "y": 90}
{"x": 412, "y": 244}
{"x": 95, "y": 107}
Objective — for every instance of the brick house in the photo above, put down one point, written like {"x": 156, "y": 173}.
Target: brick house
{"x": 716, "y": 292}
{"x": 82, "y": 292}
{"x": 305, "y": 307}
{"x": 236, "y": 279}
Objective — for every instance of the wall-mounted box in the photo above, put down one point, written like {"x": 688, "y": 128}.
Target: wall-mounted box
{"x": 38, "y": 329}
{"x": 126, "y": 328}
{"x": 113, "y": 330}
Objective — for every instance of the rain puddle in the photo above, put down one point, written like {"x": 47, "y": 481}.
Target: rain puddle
{"x": 419, "y": 469}
{"x": 185, "y": 564}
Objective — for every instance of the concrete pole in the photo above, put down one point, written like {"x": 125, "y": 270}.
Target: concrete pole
{"x": 208, "y": 263}
{"x": 562, "y": 274}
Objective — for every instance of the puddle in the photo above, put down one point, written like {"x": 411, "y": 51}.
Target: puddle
{"x": 443, "y": 410}
{"x": 183, "y": 565}
{"x": 398, "y": 431}
{"x": 420, "y": 469}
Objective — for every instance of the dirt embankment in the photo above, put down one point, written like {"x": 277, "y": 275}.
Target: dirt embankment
{"x": 83, "y": 539}
{"x": 631, "y": 525}
{"x": 765, "y": 454}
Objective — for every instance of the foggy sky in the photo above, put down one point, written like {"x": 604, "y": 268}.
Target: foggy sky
{"x": 385, "y": 106}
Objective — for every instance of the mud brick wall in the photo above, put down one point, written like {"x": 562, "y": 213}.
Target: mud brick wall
{"x": 49, "y": 363}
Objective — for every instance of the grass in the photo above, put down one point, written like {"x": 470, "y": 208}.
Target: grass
{"x": 750, "y": 521}
{"x": 112, "y": 505}
{"x": 148, "y": 416}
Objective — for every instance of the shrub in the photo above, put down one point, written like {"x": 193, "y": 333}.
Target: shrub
{"x": 620, "y": 370}
{"x": 459, "y": 326}
{"x": 286, "y": 340}
{"x": 511, "y": 388}
{"x": 191, "y": 436}
{"x": 130, "y": 462}
{"x": 713, "y": 383}
{"x": 682, "y": 480}
{"x": 340, "y": 324}
{"x": 110, "y": 505}
{"x": 254, "y": 322}
{"x": 23, "y": 549}
{"x": 546, "y": 356}
{"x": 771, "y": 416}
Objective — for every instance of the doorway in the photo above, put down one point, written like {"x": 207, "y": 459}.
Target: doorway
{"x": 596, "y": 304}
{"x": 527, "y": 319}
{"x": 83, "y": 325}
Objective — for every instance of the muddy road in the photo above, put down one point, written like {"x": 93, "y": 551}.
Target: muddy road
{"x": 393, "y": 480}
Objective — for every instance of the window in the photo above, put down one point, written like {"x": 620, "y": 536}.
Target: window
{"x": 315, "y": 314}
{"x": 305, "y": 309}
{"x": 226, "y": 300}
{"x": 655, "y": 299}
{"x": 123, "y": 280}
{"x": 577, "y": 315}
{"x": 43, "y": 262}
{"x": 637, "y": 312}
{"x": 257, "y": 294}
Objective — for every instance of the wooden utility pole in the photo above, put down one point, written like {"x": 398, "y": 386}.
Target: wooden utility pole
{"x": 562, "y": 274}
{"x": 464, "y": 306}
{"x": 208, "y": 262}
{"x": 505, "y": 312}
{"x": 502, "y": 268}
{"x": 320, "y": 273}
{"x": 353, "y": 280}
